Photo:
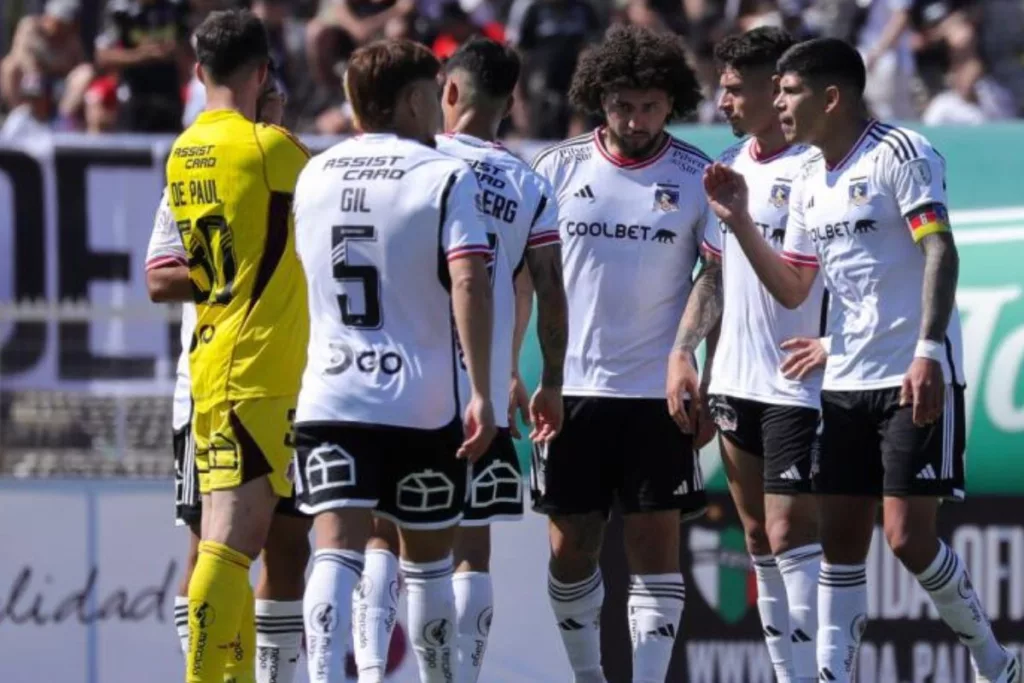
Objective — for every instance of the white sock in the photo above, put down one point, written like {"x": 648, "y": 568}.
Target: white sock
{"x": 474, "y": 607}
{"x": 374, "y": 614}
{"x": 278, "y": 640}
{"x": 950, "y": 588}
{"x": 655, "y": 608}
{"x": 327, "y": 609}
{"x": 181, "y": 621}
{"x": 842, "y": 617}
{"x": 431, "y": 605}
{"x": 577, "y": 608}
{"x": 799, "y": 568}
{"x": 773, "y": 607}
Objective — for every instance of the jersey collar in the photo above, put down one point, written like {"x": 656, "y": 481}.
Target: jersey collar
{"x": 623, "y": 162}
{"x": 472, "y": 140}
{"x": 755, "y": 152}
{"x": 853, "y": 150}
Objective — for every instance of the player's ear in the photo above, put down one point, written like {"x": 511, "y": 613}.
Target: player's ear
{"x": 832, "y": 98}
{"x": 200, "y": 76}
{"x": 451, "y": 92}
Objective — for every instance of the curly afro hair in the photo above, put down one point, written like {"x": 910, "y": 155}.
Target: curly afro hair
{"x": 635, "y": 58}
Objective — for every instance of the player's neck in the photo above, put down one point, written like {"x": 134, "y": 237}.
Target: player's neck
{"x": 841, "y": 139}
{"x": 220, "y": 98}
{"x": 613, "y": 146}
{"x": 769, "y": 143}
{"x": 479, "y": 124}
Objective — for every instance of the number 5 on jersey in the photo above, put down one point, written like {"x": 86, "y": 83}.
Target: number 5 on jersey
{"x": 367, "y": 276}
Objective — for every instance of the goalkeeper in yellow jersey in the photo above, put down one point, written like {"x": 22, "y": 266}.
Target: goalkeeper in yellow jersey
{"x": 229, "y": 186}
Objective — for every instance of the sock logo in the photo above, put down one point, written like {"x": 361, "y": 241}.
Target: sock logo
{"x": 665, "y": 631}
{"x": 858, "y": 626}
{"x": 394, "y": 589}
{"x": 570, "y": 625}
{"x": 204, "y": 615}
{"x": 965, "y": 587}
{"x": 365, "y": 587}
{"x": 799, "y": 636}
{"x": 483, "y": 622}
{"x": 324, "y": 618}
{"x": 436, "y": 632}
{"x": 826, "y": 675}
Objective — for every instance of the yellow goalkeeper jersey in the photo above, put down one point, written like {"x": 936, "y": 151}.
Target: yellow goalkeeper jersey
{"x": 230, "y": 184}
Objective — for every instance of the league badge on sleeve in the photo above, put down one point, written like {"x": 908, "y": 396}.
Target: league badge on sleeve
{"x": 920, "y": 171}
{"x": 859, "y": 191}
{"x": 666, "y": 198}
{"x": 779, "y": 196}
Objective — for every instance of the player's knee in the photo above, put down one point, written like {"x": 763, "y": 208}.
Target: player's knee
{"x": 575, "y": 545}
{"x": 789, "y": 527}
{"x": 651, "y": 541}
{"x": 912, "y": 545}
{"x": 284, "y": 564}
{"x": 473, "y": 549}
{"x": 756, "y": 537}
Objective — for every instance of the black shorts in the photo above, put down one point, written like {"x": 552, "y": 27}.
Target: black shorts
{"x": 188, "y": 504}
{"x": 870, "y": 446}
{"x": 784, "y": 436}
{"x": 496, "y": 484}
{"x": 408, "y": 476}
{"x": 624, "y": 450}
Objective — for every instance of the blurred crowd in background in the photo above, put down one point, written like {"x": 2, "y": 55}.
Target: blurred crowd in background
{"x": 126, "y": 65}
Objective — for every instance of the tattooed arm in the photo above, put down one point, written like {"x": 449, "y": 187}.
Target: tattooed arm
{"x": 938, "y": 291}
{"x": 545, "y": 265}
{"x": 703, "y": 308}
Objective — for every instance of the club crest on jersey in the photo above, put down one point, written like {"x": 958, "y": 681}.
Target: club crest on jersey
{"x": 779, "y": 196}
{"x": 859, "y": 191}
{"x": 666, "y": 198}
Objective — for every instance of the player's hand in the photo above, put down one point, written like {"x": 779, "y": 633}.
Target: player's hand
{"x": 518, "y": 400}
{"x": 924, "y": 389}
{"x": 546, "y": 414}
{"x": 805, "y": 356}
{"x": 726, "y": 191}
{"x": 681, "y": 380}
{"x": 479, "y": 429}
{"x": 705, "y": 423}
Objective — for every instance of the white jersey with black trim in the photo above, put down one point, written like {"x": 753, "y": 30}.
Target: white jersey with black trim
{"x": 377, "y": 218}
{"x": 854, "y": 220}
{"x": 166, "y": 249}
{"x": 521, "y": 215}
{"x": 749, "y": 356}
{"x": 631, "y": 233}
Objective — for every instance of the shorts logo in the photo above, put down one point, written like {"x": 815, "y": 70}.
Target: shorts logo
{"x": 436, "y": 632}
{"x": 779, "y": 196}
{"x": 324, "y": 618}
{"x": 666, "y": 198}
{"x": 328, "y": 466}
{"x": 724, "y": 415}
{"x": 497, "y": 483}
{"x": 425, "y": 491}
{"x": 859, "y": 191}
{"x": 483, "y": 622}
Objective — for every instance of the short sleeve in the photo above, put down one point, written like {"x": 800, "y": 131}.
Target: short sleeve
{"x": 284, "y": 158}
{"x": 797, "y": 247}
{"x": 916, "y": 175}
{"x": 712, "y": 233}
{"x": 544, "y": 229}
{"x": 464, "y": 231}
{"x": 165, "y": 247}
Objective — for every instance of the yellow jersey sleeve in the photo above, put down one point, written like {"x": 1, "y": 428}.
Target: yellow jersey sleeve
{"x": 284, "y": 157}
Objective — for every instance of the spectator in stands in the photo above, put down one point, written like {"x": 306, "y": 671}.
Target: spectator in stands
{"x": 144, "y": 46}
{"x": 884, "y": 42}
{"x": 343, "y": 25}
{"x": 31, "y": 118}
{"x": 47, "y": 55}
{"x": 549, "y": 35}
{"x": 973, "y": 97}
{"x": 456, "y": 25}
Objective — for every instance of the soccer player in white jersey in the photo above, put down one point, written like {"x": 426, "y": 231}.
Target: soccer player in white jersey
{"x": 632, "y": 214}
{"x": 282, "y": 572}
{"x": 480, "y": 78}
{"x": 395, "y": 255}
{"x": 767, "y": 420}
{"x": 870, "y": 212}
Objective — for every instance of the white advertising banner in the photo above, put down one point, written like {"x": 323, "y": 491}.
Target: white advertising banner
{"x": 89, "y": 570}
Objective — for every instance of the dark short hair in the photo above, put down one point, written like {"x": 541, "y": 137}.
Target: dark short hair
{"x": 378, "y": 72}
{"x": 230, "y": 40}
{"x": 635, "y": 58}
{"x": 492, "y": 67}
{"x": 824, "y": 62}
{"x": 760, "y": 47}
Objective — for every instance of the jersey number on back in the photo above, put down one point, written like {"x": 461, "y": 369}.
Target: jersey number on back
{"x": 211, "y": 251}
{"x": 367, "y": 276}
